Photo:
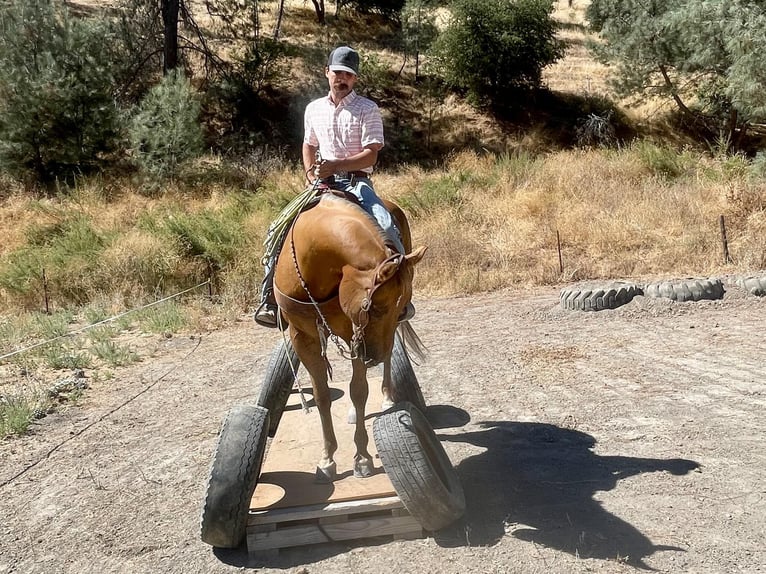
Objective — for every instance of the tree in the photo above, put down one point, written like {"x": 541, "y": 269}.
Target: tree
{"x": 709, "y": 56}
{"x": 58, "y": 114}
{"x": 493, "y": 48}
{"x": 169, "y": 10}
{"x": 419, "y": 28}
{"x": 165, "y": 130}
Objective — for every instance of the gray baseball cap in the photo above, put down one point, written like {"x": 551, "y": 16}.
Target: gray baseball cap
{"x": 344, "y": 59}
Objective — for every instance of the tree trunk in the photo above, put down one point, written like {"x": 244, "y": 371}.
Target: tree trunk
{"x": 319, "y": 7}
{"x": 280, "y": 13}
{"x": 170, "y": 9}
{"x": 674, "y": 93}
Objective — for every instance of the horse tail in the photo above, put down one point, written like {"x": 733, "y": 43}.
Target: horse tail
{"x": 413, "y": 345}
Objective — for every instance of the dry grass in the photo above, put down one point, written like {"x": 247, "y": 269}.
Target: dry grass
{"x": 615, "y": 216}
{"x": 577, "y": 71}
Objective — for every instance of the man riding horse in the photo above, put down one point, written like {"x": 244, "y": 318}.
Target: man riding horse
{"x": 343, "y": 135}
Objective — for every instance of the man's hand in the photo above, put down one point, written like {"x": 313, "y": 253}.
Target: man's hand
{"x": 326, "y": 168}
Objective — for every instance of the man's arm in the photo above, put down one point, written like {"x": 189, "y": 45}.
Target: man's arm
{"x": 309, "y": 157}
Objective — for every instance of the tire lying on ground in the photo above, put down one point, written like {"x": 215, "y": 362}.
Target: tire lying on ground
{"x": 753, "y": 284}
{"x": 418, "y": 467}
{"x": 234, "y": 475}
{"x": 686, "y": 289}
{"x": 597, "y": 297}
{"x": 278, "y": 382}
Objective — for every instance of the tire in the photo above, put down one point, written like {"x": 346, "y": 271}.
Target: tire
{"x": 592, "y": 297}
{"x": 753, "y": 284}
{"x": 686, "y": 289}
{"x": 418, "y": 467}
{"x": 234, "y": 476}
{"x": 405, "y": 382}
{"x": 278, "y": 383}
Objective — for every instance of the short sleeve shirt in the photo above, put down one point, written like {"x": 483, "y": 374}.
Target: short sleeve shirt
{"x": 343, "y": 130}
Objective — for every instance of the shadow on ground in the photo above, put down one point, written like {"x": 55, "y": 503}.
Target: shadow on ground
{"x": 533, "y": 481}
{"x": 537, "y": 482}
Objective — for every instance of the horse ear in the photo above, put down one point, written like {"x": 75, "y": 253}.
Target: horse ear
{"x": 414, "y": 257}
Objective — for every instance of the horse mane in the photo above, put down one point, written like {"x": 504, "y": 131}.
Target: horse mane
{"x": 412, "y": 343}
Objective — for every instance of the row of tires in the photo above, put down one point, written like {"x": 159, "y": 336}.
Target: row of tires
{"x": 410, "y": 452}
{"x": 597, "y": 297}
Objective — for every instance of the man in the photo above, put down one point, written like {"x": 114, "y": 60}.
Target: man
{"x": 343, "y": 133}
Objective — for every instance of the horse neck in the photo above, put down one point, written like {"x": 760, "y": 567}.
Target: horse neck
{"x": 337, "y": 235}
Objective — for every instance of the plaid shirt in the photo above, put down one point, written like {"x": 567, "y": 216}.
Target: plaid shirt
{"x": 343, "y": 130}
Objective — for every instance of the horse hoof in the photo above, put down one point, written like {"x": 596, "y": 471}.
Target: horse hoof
{"x": 352, "y": 416}
{"x": 363, "y": 468}
{"x": 327, "y": 474}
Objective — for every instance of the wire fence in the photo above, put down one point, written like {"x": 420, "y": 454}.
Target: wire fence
{"x": 102, "y": 322}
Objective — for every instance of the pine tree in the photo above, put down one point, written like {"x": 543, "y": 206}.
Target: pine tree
{"x": 57, "y": 110}
{"x": 709, "y": 56}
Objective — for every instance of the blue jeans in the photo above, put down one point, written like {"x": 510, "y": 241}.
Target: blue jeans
{"x": 361, "y": 187}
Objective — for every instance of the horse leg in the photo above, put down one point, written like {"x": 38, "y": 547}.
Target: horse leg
{"x": 359, "y": 391}
{"x": 309, "y": 352}
{"x": 386, "y": 388}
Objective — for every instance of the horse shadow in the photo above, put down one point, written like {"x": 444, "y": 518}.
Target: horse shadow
{"x": 537, "y": 482}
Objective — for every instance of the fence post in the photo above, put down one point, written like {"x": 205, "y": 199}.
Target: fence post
{"x": 724, "y": 241}
{"x": 45, "y": 294}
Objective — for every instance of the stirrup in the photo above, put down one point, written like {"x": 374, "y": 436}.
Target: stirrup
{"x": 266, "y": 315}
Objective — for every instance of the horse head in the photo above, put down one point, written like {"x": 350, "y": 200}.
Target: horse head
{"x": 373, "y": 300}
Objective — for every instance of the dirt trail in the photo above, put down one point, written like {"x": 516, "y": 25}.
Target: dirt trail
{"x": 586, "y": 442}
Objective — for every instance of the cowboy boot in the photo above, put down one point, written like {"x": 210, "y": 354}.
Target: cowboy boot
{"x": 266, "y": 314}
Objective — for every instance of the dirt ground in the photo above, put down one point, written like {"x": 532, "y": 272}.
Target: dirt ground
{"x": 586, "y": 442}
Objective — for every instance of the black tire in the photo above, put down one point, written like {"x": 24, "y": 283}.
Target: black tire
{"x": 418, "y": 467}
{"x": 233, "y": 476}
{"x": 278, "y": 382}
{"x": 686, "y": 289}
{"x": 404, "y": 381}
{"x": 592, "y": 297}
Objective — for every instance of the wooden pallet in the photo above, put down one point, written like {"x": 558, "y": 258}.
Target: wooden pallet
{"x": 289, "y": 508}
{"x": 331, "y": 522}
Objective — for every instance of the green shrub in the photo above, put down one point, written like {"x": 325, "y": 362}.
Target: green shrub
{"x": 18, "y": 408}
{"x": 663, "y": 162}
{"x": 391, "y": 9}
{"x": 493, "y": 48}
{"x": 67, "y": 253}
{"x": 165, "y": 130}
{"x": 58, "y": 115}
{"x": 435, "y": 195}
{"x": 375, "y": 75}
{"x": 114, "y": 354}
{"x": 163, "y": 319}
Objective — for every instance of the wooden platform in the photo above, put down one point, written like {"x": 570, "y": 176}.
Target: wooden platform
{"x": 289, "y": 508}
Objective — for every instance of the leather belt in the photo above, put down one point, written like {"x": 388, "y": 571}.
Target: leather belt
{"x": 350, "y": 174}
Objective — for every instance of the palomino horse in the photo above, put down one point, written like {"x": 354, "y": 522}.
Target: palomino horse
{"x": 337, "y": 279}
